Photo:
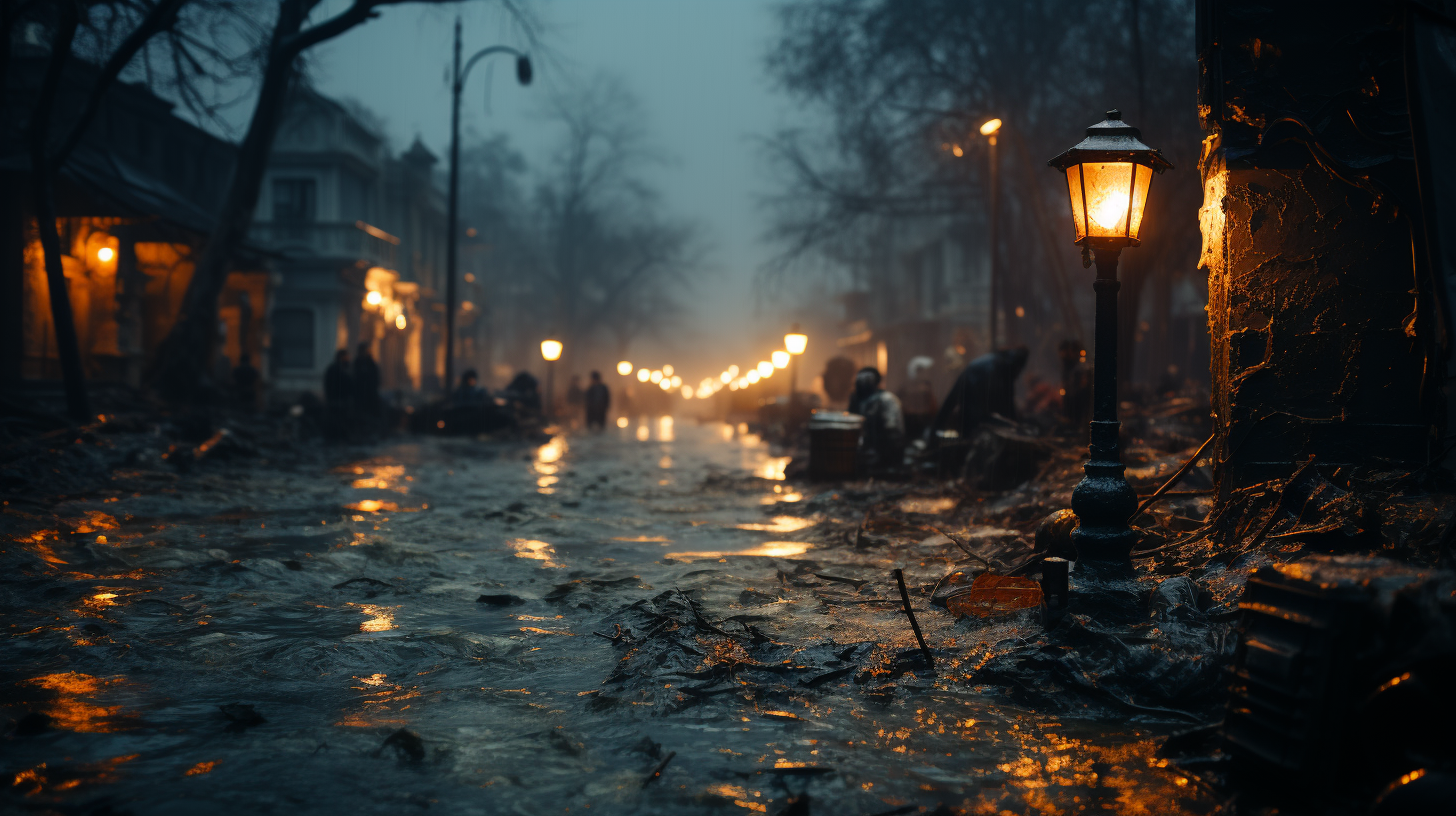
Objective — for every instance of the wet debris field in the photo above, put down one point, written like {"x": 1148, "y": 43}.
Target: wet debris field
{"x": 653, "y": 620}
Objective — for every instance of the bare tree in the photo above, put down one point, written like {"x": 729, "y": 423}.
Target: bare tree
{"x": 905, "y": 85}
{"x": 601, "y": 257}
{"x": 185, "y": 352}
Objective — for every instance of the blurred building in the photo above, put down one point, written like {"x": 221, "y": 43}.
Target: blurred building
{"x": 361, "y": 237}
{"x": 134, "y": 202}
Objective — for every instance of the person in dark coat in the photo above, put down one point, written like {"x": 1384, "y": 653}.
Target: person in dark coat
{"x": 883, "y": 441}
{"x": 986, "y": 386}
{"x": 338, "y": 395}
{"x": 366, "y": 389}
{"x": 598, "y": 399}
{"x": 245, "y": 383}
{"x": 469, "y": 392}
{"x": 524, "y": 396}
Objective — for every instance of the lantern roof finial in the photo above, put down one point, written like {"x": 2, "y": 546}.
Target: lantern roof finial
{"x": 1112, "y": 140}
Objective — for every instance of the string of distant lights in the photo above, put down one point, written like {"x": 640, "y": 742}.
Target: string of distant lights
{"x": 733, "y": 378}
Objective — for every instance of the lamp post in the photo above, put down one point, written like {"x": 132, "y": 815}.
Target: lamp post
{"x": 457, "y": 83}
{"x": 1108, "y": 174}
{"x": 989, "y": 130}
{"x": 795, "y": 342}
{"x": 550, "y": 352}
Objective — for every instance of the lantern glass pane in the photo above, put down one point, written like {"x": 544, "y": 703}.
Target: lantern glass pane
{"x": 1109, "y": 186}
{"x": 1140, "y": 197}
{"x": 1074, "y": 189}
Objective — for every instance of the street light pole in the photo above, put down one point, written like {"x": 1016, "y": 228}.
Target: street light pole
{"x": 457, "y": 83}
{"x": 1108, "y": 177}
{"x": 990, "y": 129}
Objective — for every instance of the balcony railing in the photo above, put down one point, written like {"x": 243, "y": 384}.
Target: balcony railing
{"x": 329, "y": 239}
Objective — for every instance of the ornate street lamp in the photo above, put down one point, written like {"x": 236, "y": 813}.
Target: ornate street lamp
{"x": 550, "y": 352}
{"x": 1108, "y": 174}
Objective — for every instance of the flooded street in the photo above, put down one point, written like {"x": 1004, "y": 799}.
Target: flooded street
{"x": 650, "y": 620}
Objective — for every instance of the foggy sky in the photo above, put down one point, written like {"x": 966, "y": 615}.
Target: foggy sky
{"x": 697, "y": 67}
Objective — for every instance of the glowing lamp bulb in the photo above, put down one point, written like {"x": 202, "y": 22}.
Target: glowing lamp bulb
{"x": 990, "y": 127}
{"x": 667, "y": 371}
{"x": 643, "y": 375}
{"x": 665, "y": 385}
{"x": 374, "y": 298}
{"x": 1108, "y": 175}
{"x": 754, "y": 376}
{"x": 765, "y": 368}
{"x": 657, "y": 376}
{"x": 624, "y": 368}
{"x": 105, "y": 254}
{"x": 687, "y": 392}
{"x": 780, "y": 359}
{"x": 400, "y": 322}
{"x": 796, "y": 342}
{"x": 726, "y": 377}
{"x": 551, "y": 350}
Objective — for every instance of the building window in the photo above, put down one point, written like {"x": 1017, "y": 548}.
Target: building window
{"x": 295, "y": 200}
{"x": 292, "y": 338}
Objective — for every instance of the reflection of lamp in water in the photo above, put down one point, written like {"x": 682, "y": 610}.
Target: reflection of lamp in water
{"x": 624, "y": 368}
{"x": 550, "y": 352}
{"x": 643, "y": 375}
{"x": 1108, "y": 174}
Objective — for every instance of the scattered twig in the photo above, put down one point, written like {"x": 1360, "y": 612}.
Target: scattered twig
{"x": 1175, "y": 477}
{"x": 964, "y": 548}
{"x": 910, "y": 613}
{"x": 661, "y": 766}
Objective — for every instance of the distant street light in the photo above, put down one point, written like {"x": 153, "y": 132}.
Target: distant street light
{"x": 780, "y": 359}
{"x": 796, "y": 342}
{"x": 1108, "y": 174}
{"x": 457, "y": 83}
{"x": 765, "y": 369}
{"x": 624, "y": 368}
{"x": 643, "y": 375}
{"x": 550, "y": 352}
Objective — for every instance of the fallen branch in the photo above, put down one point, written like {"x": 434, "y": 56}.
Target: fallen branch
{"x": 661, "y": 766}
{"x": 914, "y": 625}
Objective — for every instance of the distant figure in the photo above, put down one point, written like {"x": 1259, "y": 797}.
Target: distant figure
{"x": 338, "y": 395}
{"x": 469, "y": 391}
{"x": 1076, "y": 385}
{"x": 986, "y": 386}
{"x": 883, "y": 443}
{"x": 598, "y": 399}
{"x": 524, "y": 396}
{"x": 366, "y": 389}
{"x": 245, "y": 383}
{"x": 918, "y": 397}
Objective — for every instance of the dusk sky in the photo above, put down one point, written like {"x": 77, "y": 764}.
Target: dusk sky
{"x": 697, "y": 67}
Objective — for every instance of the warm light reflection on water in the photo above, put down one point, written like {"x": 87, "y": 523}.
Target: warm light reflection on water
{"x": 380, "y": 477}
{"x": 727, "y": 431}
{"x": 73, "y": 709}
{"x": 381, "y": 618}
{"x": 643, "y": 433}
{"x": 773, "y": 468}
{"x": 780, "y": 524}
{"x": 552, "y": 451}
{"x": 534, "y": 550}
{"x": 373, "y": 506}
{"x": 768, "y": 549}
{"x": 664, "y": 429}
{"x": 665, "y": 462}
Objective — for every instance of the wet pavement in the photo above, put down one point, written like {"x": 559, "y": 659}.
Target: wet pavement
{"x": 651, "y": 620}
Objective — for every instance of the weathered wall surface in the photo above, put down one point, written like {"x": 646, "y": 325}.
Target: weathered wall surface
{"x": 1322, "y": 325}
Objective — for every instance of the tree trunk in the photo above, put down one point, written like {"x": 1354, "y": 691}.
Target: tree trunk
{"x": 78, "y": 406}
{"x": 183, "y": 357}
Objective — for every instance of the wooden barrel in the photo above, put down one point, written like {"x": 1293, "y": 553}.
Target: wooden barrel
{"x": 834, "y": 445}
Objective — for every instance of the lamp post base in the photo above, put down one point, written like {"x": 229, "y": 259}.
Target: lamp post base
{"x": 1103, "y": 501}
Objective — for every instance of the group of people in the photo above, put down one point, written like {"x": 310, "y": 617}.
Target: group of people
{"x": 351, "y": 395}
{"x": 986, "y": 387}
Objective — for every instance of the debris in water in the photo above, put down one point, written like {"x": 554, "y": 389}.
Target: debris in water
{"x": 406, "y": 743}
{"x": 657, "y": 772}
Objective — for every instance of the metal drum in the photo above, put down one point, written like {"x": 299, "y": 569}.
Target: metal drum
{"x": 834, "y": 444}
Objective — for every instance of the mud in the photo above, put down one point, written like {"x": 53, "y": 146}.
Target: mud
{"x": 648, "y": 621}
